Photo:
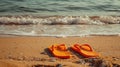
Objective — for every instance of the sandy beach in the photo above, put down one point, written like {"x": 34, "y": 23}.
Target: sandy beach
{"x": 23, "y": 51}
{"x": 36, "y": 33}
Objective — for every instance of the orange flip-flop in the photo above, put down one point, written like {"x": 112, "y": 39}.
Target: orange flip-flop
{"x": 60, "y": 51}
{"x": 85, "y": 50}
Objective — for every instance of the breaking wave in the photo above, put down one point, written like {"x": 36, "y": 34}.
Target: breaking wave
{"x": 58, "y": 20}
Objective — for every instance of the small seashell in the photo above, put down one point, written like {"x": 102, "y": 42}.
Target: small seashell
{"x": 59, "y": 65}
{"x": 52, "y": 59}
{"x": 44, "y": 53}
{"x": 81, "y": 61}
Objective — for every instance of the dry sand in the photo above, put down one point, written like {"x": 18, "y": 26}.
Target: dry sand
{"x": 30, "y": 51}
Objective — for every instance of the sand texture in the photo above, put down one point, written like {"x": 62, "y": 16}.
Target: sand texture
{"x": 32, "y": 51}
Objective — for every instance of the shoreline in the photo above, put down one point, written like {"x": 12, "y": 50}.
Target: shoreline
{"x": 24, "y": 51}
{"x": 59, "y": 36}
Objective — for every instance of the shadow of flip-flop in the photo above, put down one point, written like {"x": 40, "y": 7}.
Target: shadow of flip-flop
{"x": 75, "y": 53}
{"x": 48, "y": 52}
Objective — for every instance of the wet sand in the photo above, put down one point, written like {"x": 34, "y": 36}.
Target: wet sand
{"x": 23, "y": 51}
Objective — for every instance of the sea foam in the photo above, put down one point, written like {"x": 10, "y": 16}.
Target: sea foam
{"x": 59, "y": 20}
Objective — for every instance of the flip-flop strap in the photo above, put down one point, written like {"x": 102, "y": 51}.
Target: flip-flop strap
{"x": 87, "y": 45}
{"x": 52, "y": 47}
{"x": 63, "y": 45}
{"x": 80, "y": 47}
{"x": 77, "y": 46}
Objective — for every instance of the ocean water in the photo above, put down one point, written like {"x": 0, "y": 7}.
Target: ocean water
{"x": 59, "y": 18}
{"x": 60, "y": 7}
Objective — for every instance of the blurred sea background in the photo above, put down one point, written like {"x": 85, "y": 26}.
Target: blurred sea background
{"x": 59, "y": 17}
{"x": 60, "y": 7}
